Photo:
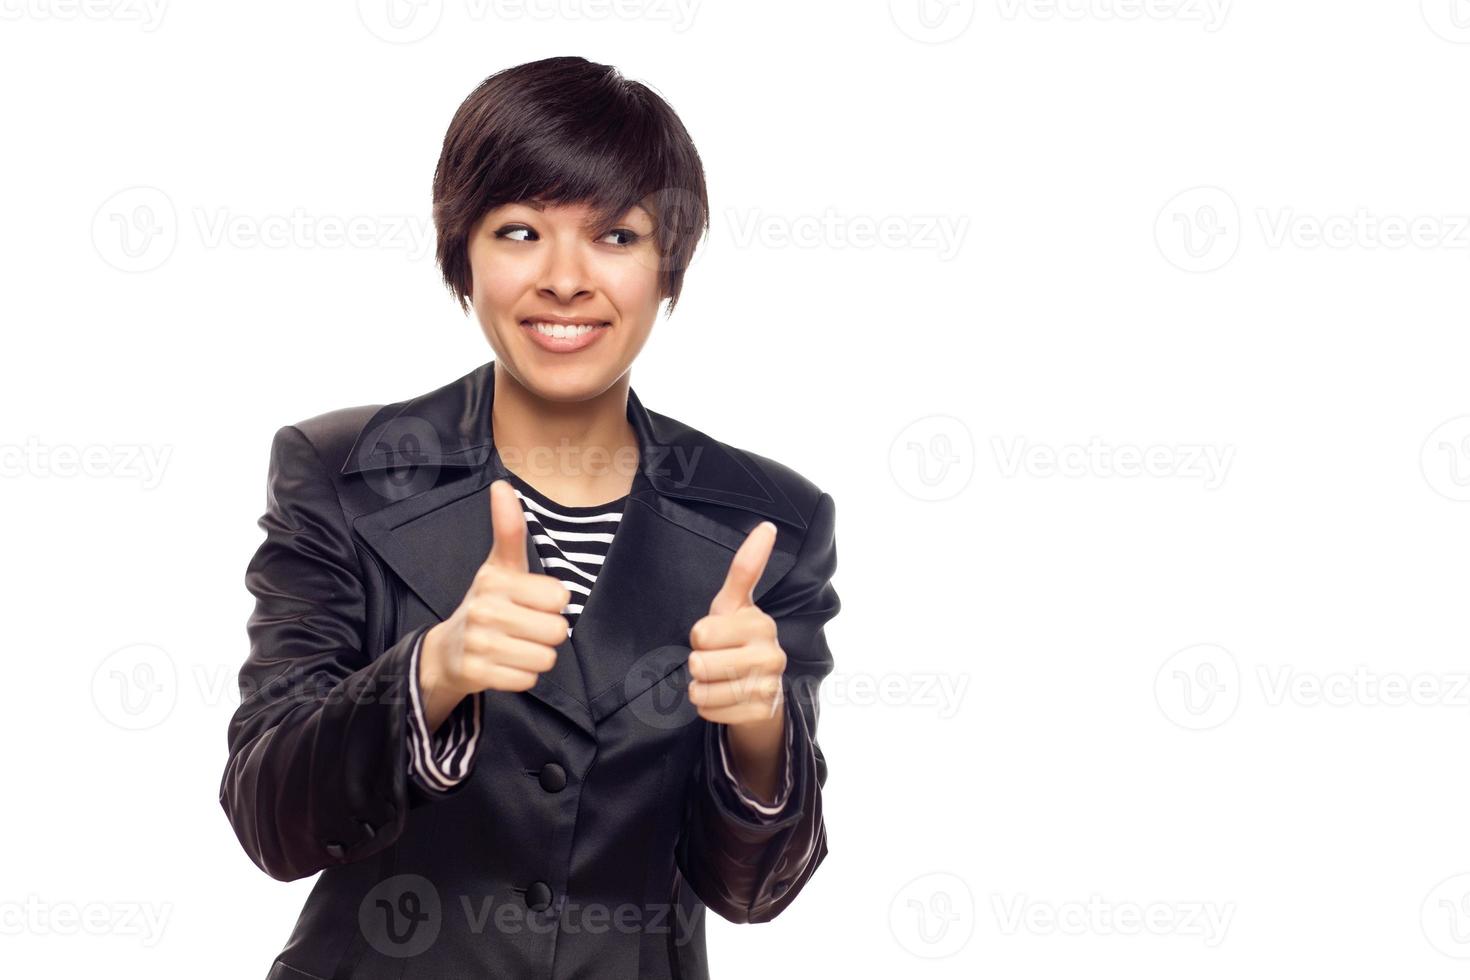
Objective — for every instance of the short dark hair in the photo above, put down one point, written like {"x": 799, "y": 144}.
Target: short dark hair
{"x": 568, "y": 130}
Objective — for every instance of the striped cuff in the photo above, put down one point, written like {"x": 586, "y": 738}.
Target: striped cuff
{"x": 440, "y": 762}
{"x": 764, "y": 809}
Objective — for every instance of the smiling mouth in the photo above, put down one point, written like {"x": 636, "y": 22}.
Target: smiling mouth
{"x": 551, "y": 329}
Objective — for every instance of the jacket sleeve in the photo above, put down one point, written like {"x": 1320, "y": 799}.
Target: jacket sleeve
{"x": 318, "y": 771}
{"x": 748, "y": 866}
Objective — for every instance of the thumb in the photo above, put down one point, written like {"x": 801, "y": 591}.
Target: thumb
{"x": 745, "y": 570}
{"x": 508, "y": 524}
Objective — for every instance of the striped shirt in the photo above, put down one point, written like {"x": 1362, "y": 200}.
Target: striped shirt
{"x": 573, "y": 543}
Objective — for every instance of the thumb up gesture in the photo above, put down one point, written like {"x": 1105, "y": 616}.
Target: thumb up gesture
{"x": 735, "y": 661}
{"x": 505, "y": 632}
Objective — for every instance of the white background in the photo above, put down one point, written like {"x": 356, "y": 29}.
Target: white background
{"x": 1228, "y": 698}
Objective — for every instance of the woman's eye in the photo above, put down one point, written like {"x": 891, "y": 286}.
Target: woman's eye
{"x": 513, "y": 230}
{"x": 520, "y": 233}
{"x": 630, "y": 237}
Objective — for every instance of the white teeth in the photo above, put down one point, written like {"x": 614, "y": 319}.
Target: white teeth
{"x": 563, "y": 330}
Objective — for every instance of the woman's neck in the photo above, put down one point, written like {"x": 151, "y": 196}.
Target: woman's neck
{"x": 577, "y": 453}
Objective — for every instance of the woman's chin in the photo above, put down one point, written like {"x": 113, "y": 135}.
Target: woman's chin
{"x": 566, "y": 382}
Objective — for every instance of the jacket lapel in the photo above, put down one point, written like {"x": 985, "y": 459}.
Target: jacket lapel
{"x": 666, "y": 562}
{"x": 665, "y": 565}
{"x": 436, "y": 541}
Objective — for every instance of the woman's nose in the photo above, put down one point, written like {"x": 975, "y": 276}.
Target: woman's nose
{"x": 565, "y": 276}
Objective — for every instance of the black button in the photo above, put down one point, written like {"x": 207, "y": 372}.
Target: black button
{"x": 335, "y": 849}
{"x": 538, "y": 896}
{"x": 553, "y": 778}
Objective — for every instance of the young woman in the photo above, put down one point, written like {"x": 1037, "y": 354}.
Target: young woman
{"x": 533, "y": 670}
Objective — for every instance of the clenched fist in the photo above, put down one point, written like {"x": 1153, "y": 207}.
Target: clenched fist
{"x": 505, "y": 632}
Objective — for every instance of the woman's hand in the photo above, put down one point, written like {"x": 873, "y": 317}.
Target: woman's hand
{"x": 736, "y": 664}
{"x": 505, "y": 632}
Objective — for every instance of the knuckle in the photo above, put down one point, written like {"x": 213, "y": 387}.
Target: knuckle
{"x": 497, "y": 679}
{"x": 488, "y": 610}
{"x": 555, "y": 632}
{"x": 702, "y": 632}
{"x": 472, "y": 677}
{"x": 554, "y": 590}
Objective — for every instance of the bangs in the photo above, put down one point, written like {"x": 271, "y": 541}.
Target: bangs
{"x": 609, "y": 178}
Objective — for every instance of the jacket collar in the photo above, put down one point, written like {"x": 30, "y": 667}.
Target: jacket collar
{"x": 667, "y": 560}
{"x": 449, "y": 428}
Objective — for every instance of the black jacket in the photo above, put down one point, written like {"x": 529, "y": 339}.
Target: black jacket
{"x": 596, "y": 825}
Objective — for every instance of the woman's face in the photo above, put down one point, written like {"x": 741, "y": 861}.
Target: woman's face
{"x": 533, "y": 263}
